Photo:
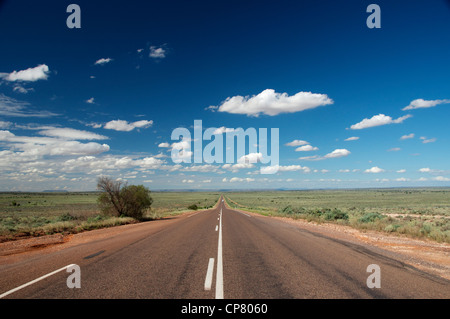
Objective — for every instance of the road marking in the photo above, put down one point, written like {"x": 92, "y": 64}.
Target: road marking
{"x": 209, "y": 274}
{"x": 217, "y": 227}
{"x": 242, "y": 213}
{"x": 34, "y": 281}
{"x": 219, "y": 275}
{"x": 193, "y": 214}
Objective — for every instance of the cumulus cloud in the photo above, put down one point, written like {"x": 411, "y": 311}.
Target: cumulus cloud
{"x": 374, "y": 170}
{"x": 297, "y": 143}
{"x": 222, "y": 130}
{"x": 427, "y": 140}
{"x": 90, "y": 101}
{"x": 441, "y": 179}
{"x": 353, "y": 138}
{"x": 41, "y": 146}
{"x": 272, "y": 103}
{"x": 21, "y": 89}
{"x": 206, "y": 168}
{"x": 103, "y": 61}
{"x": 164, "y": 144}
{"x": 236, "y": 167}
{"x": 250, "y": 158}
{"x": 4, "y": 124}
{"x": 306, "y": 148}
{"x": 157, "y": 52}
{"x": 340, "y": 152}
{"x": 72, "y": 134}
{"x": 378, "y": 120}
{"x": 421, "y": 103}
{"x": 37, "y": 73}
{"x": 238, "y": 179}
{"x": 280, "y": 168}
{"x": 406, "y": 137}
{"x": 121, "y": 125}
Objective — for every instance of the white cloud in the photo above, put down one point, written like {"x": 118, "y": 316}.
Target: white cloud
{"x": 250, "y": 158}
{"x": 280, "y": 168}
{"x": 271, "y": 103}
{"x": 353, "y": 138}
{"x": 223, "y": 129}
{"x": 425, "y": 170}
{"x": 306, "y": 148}
{"x": 441, "y": 179}
{"x": 296, "y": 143}
{"x": 405, "y": 137}
{"x": 164, "y": 144}
{"x": 429, "y": 140}
{"x": 378, "y": 120}
{"x": 124, "y": 126}
{"x": 421, "y": 103}
{"x": 39, "y": 72}
{"x": 238, "y": 179}
{"x": 374, "y": 170}
{"x": 394, "y": 149}
{"x": 90, "y": 101}
{"x": 157, "y": 53}
{"x": 41, "y": 146}
{"x": 344, "y": 171}
{"x": 206, "y": 168}
{"x": 72, "y": 134}
{"x": 236, "y": 167}
{"x": 402, "y": 179}
{"x": 14, "y": 108}
{"x": 4, "y": 124}
{"x": 103, "y": 61}
{"x": 21, "y": 89}
{"x": 340, "y": 152}
{"x": 187, "y": 181}
{"x": 401, "y": 171}
{"x": 94, "y": 125}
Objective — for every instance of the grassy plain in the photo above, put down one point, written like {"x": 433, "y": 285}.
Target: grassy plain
{"x": 418, "y": 213}
{"x": 34, "y": 214}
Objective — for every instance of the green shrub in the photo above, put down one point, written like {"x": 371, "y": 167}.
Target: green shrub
{"x": 335, "y": 214}
{"x": 370, "y": 217}
{"x": 66, "y": 217}
{"x": 193, "y": 207}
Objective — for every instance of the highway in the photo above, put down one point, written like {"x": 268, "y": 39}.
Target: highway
{"x": 219, "y": 253}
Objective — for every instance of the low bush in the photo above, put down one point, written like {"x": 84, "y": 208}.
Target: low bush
{"x": 370, "y": 217}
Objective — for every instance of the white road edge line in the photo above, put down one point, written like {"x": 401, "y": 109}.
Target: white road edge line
{"x": 209, "y": 274}
{"x": 219, "y": 274}
{"x": 242, "y": 213}
{"x": 34, "y": 281}
{"x": 193, "y": 214}
{"x": 217, "y": 227}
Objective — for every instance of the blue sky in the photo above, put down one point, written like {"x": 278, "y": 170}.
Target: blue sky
{"x": 104, "y": 99}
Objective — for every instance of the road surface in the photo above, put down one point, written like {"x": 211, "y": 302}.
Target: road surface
{"x": 217, "y": 253}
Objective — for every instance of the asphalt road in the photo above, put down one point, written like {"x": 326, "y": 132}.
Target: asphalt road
{"x": 218, "y": 253}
